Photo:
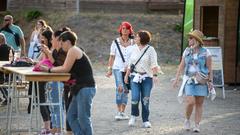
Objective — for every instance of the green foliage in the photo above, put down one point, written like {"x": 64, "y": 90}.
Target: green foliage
{"x": 178, "y": 27}
{"x": 2, "y": 14}
{"x": 33, "y": 14}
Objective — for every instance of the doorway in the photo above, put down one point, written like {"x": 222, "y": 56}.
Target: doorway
{"x": 3, "y": 5}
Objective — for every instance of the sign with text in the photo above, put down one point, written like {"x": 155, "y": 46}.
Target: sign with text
{"x": 217, "y": 65}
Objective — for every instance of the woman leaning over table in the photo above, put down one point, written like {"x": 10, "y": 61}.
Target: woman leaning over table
{"x": 142, "y": 77}
{"x": 195, "y": 59}
{"x": 79, "y": 66}
{"x": 57, "y": 56}
{"x": 46, "y": 38}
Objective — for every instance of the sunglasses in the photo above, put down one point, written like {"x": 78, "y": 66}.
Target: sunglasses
{"x": 6, "y": 20}
{"x": 191, "y": 37}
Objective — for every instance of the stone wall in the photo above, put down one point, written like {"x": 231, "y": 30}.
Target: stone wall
{"x": 96, "y": 5}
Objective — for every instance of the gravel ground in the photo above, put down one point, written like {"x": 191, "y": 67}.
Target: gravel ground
{"x": 220, "y": 117}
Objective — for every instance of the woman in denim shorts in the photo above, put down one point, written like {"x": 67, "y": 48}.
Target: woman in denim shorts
{"x": 196, "y": 59}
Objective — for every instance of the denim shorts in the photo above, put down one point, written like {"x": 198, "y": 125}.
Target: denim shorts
{"x": 196, "y": 90}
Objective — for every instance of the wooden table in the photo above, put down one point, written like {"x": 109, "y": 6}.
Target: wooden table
{"x": 30, "y": 75}
{"x": 2, "y": 63}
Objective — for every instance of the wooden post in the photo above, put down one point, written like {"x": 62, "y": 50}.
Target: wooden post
{"x": 78, "y": 6}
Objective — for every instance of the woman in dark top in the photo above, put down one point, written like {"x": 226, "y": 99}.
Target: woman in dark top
{"x": 78, "y": 65}
{"x": 46, "y": 38}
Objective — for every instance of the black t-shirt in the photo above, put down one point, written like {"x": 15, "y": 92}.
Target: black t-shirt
{"x": 4, "y": 56}
{"x": 82, "y": 72}
{"x": 4, "y": 52}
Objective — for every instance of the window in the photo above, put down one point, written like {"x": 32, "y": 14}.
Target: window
{"x": 209, "y": 20}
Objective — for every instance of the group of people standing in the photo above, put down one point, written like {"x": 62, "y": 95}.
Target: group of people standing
{"x": 132, "y": 61}
{"x": 134, "y": 66}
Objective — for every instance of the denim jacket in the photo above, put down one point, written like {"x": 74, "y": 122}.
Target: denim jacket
{"x": 201, "y": 60}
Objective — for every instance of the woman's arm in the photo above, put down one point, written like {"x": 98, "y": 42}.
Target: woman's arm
{"x": 126, "y": 76}
{"x": 110, "y": 64}
{"x": 209, "y": 66}
{"x": 180, "y": 68}
{"x": 73, "y": 54}
{"x": 48, "y": 53}
{"x": 179, "y": 72}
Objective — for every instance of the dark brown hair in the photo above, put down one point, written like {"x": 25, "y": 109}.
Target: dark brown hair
{"x": 43, "y": 22}
{"x": 68, "y": 35}
{"x": 145, "y": 36}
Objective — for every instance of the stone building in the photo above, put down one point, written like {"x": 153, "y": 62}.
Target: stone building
{"x": 220, "y": 19}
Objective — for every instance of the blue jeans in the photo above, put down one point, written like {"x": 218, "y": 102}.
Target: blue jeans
{"x": 141, "y": 91}
{"x": 121, "y": 97}
{"x": 53, "y": 92}
{"x": 79, "y": 112}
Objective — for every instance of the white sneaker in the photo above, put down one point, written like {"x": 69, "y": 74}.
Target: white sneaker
{"x": 187, "y": 125}
{"x": 147, "y": 124}
{"x": 196, "y": 128}
{"x": 132, "y": 121}
{"x": 124, "y": 116}
{"x": 118, "y": 116}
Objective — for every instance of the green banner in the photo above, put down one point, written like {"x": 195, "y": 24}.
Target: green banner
{"x": 187, "y": 21}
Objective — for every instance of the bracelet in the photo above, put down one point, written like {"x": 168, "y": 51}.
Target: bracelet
{"x": 49, "y": 70}
{"x": 155, "y": 75}
{"x": 109, "y": 68}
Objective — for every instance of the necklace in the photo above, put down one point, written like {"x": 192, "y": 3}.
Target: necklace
{"x": 125, "y": 43}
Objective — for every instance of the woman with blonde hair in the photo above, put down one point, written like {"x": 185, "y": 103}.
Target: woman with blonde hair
{"x": 34, "y": 47}
{"x": 196, "y": 61}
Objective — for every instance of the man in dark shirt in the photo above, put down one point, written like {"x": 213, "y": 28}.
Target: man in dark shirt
{"x": 5, "y": 50}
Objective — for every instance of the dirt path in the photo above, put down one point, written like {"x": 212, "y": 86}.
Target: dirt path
{"x": 220, "y": 117}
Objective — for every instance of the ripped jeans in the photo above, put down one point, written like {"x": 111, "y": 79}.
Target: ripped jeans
{"x": 121, "y": 96}
{"x": 141, "y": 91}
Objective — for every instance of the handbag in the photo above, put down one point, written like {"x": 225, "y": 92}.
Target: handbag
{"x": 22, "y": 62}
{"x": 45, "y": 62}
{"x": 201, "y": 78}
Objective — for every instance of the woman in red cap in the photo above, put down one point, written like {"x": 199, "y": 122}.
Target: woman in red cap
{"x": 196, "y": 60}
{"x": 119, "y": 54}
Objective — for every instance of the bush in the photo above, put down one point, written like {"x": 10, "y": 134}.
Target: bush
{"x": 34, "y": 14}
{"x": 178, "y": 27}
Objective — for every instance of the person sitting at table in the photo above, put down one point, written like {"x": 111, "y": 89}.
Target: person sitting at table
{"x": 79, "y": 66}
{"x": 6, "y": 54}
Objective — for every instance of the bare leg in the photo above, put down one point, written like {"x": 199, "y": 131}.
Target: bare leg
{"x": 198, "y": 109}
{"x": 190, "y": 102}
